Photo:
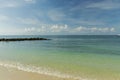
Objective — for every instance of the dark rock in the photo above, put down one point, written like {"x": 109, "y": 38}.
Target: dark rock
{"x": 22, "y": 39}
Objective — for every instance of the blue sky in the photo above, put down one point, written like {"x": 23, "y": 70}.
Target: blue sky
{"x": 60, "y": 17}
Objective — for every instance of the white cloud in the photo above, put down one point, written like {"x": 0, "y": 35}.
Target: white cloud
{"x": 67, "y": 29}
{"x": 112, "y": 29}
{"x": 57, "y": 28}
{"x": 48, "y": 28}
{"x": 80, "y": 29}
{"x": 93, "y": 29}
{"x": 106, "y": 5}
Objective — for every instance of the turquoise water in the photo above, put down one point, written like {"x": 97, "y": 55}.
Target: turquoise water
{"x": 77, "y": 57}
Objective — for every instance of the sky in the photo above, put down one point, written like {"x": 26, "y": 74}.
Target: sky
{"x": 59, "y": 17}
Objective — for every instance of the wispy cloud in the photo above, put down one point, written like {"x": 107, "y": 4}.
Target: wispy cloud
{"x": 90, "y": 22}
{"x": 4, "y": 18}
{"x": 102, "y": 4}
{"x": 14, "y": 3}
{"x": 86, "y": 22}
{"x": 30, "y": 1}
{"x": 28, "y": 21}
{"x": 106, "y": 5}
{"x": 56, "y": 15}
{"x": 8, "y": 3}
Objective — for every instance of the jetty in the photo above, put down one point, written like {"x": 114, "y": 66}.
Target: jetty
{"x": 21, "y": 39}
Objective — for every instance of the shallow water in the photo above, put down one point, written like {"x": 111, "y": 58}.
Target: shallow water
{"x": 73, "y": 56}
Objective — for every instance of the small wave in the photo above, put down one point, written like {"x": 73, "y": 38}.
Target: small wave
{"x": 40, "y": 70}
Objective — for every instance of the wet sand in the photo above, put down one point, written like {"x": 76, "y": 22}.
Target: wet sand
{"x": 13, "y": 74}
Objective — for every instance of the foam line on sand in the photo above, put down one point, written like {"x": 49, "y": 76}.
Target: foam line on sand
{"x": 40, "y": 70}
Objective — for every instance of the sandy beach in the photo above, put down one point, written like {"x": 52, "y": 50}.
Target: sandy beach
{"x": 6, "y": 74}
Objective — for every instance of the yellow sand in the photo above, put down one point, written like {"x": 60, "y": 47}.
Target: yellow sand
{"x": 6, "y": 74}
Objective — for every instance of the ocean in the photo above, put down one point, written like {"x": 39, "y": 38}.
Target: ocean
{"x": 78, "y": 57}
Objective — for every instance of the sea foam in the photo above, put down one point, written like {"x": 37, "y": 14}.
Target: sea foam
{"x": 40, "y": 70}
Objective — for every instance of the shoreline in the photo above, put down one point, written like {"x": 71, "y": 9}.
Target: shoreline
{"x": 13, "y": 74}
{"x": 38, "y": 71}
{"x": 8, "y": 73}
